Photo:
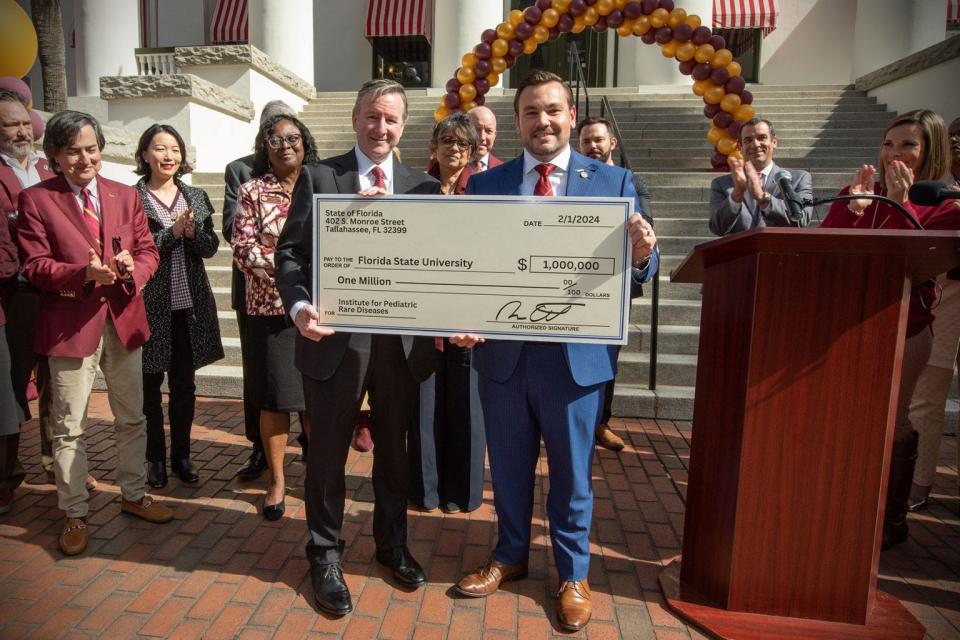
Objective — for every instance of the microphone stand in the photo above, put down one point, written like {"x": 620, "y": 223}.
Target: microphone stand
{"x": 867, "y": 196}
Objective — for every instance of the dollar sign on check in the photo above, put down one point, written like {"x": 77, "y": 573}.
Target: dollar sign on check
{"x": 522, "y": 264}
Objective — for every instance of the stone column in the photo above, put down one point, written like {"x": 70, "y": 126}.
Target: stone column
{"x": 107, "y": 34}
{"x": 284, "y": 31}
{"x": 457, "y": 27}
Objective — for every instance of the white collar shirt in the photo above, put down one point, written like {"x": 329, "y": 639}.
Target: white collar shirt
{"x": 557, "y": 178}
{"x": 28, "y": 176}
{"x": 365, "y": 165}
{"x": 94, "y": 194}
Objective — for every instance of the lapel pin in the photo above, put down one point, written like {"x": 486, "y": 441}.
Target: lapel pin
{"x": 583, "y": 174}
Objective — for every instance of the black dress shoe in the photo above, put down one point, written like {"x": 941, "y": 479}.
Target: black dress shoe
{"x": 157, "y": 474}
{"x": 256, "y": 465}
{"x": 273, "y": 512}
{"x": 185, "y": 469}
{"x": 406, "y": 570}
{"x": 330, "y": 592}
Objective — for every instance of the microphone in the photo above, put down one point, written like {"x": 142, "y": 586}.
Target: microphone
{"x": 794, "y": 204}
{"x": 930, "y": 193}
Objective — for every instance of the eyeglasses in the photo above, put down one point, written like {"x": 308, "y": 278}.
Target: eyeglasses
{"x": 276, "y": 142}
{"x": 450, "y": 141}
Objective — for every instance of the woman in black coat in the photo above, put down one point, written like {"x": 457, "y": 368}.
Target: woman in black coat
{"x": 181, "y": 311}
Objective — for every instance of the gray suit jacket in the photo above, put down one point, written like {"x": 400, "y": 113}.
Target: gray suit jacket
{"x": 319, "y": 360}
{"x": 725, "y": 219}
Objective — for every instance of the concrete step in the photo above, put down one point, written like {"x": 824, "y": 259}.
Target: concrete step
{"x": 668, "y": 402}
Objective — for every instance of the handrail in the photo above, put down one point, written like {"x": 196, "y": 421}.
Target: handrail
{"x": 577, "y": 78}
{"x": 606, "y": 111}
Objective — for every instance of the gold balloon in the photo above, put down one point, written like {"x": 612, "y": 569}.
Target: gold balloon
{"x": 736, "y": 154}
{"x": 619, "y": 4}
{"x": 669, "y": 50}
{"x": 499, "y": 48}
{"x": 715, "y": 134}
{"x": 744, "y": 112}
{"x": 441, "y": 112}
{"x": 469, "y": 105}
{"x": 641, "y": 26}
{"x": 550, "y": 18}
{"x": 499, "y": 65}
{"x": 626, "y": 29}
{"x": 541, "y": 34}
{"x": 700, "y": 86}
{"x": 505, "y": 31}
{"x": 705, "y": 53}
{"x": 659, "y": 17}
{"x": 730, "y": 102}
{"x": 579, "y": 24}
{"x": 515, "y": 17}
{"x": 493, "y": 78}
{"x": 726, "y": 146}
{"x": 677, "y": 17}
{"x": 466, "y": 75}
{"x": 713, "y": 95}
{"x": 529, "y": 45}
{"x": 467, "y": 93}
{"x": 18, "y": 40}
{"x": 590, "y": 16}
{"x": 561, "y": 5}
{"x": 693, "y": 21}
{"x": 686, "y": 51}
{"x": 721, "y": 58}
{"x": 469, "y": 60}
{"x": 734, "y": 68}
{"x": 604, "y": 7}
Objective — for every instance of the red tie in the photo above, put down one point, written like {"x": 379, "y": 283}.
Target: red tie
{"x": 90, "y": 216}
{"x": 544, "y": 188}
{"x": 379, "y": 178}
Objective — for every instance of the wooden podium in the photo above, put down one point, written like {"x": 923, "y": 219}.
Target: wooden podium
{"x": 801, "y": 342}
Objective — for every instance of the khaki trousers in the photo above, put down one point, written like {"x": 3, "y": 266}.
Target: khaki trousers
{"x": 927, "y": 413}
{"x": 71, "y": 381}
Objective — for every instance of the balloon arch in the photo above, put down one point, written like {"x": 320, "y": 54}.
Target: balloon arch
{"x": 701, "y": 53}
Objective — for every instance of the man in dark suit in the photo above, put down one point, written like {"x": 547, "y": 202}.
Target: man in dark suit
{"x": 86, "y": 245}
{"x": 235, "y": 174}
{"x": 750, "y": 195}
{"x": 553, "y": 391}
{"x": 338, "y": 368}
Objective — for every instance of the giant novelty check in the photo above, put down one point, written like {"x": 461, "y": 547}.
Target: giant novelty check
{"x": 504, "y": 267}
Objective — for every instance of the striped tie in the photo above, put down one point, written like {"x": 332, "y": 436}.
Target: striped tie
{"x": 90, "y": 216}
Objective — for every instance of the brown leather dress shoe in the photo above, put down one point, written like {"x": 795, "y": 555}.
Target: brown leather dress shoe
{"x": 73, "y": 538}
{"x": 607, "y": 439}
{"x": 487, "y": 579}
{"x": 147, "y": 509}
{"x": 574, "y": 607}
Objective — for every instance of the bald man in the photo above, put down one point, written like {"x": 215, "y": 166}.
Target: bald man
{"x": 485, "y": 122}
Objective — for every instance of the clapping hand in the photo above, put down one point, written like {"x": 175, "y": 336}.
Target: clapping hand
{"x": 739, "y": 176}
{"x": 863, "y": 181}
{"x": 899, "y": 179}
{"x": 97, "y": 271}
{"x": 189, "y": 223}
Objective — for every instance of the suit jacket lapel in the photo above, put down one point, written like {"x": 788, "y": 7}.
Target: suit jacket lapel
{"x": 109, "y": 213}
{"x": 580, "y": 174}
{"x": 10, "y": 182}
{"x": 346, "y": 173}
{"x": 70, "y": 208}
{"x": 514, "y": 175}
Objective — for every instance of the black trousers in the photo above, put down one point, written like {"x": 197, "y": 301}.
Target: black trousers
{"x": 377, "y": 365}
{"x": 251, "y": 414}
{"x": 182, "y": 398}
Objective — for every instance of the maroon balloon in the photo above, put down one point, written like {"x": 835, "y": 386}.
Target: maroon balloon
{"x": 590, "y": 3}
{"x": 453, "y": 85}
{"x": 686, "y": 67}
{"x": 516, "y": 47}
{"x": 615, "y": 19}
{"x": 479, "y": 99}
{"x": 483, "y": 68}
{"x": 577, "y": 7}
{"x": 488, "y": 36}
{"x": 482, "y": 85}
{"x": 649, "y": 6}
{"x": 482, "y": 51}
{"x": 544, "y": 4}
{"x": 711, "y": 110}
{"x": 746, "y": 97}
{"x": 565, "y": 24}
{"x": 717, "y": 42}
{"x": 667, "y": 4}
{"x": 510, "y": 60}
{"x": 554, "y": 33}
{"x": 734, "y": 129}
{"x": 451, "y": 100}
{"x": 701, "y": 70}
{"x": 718, "y": 77}
{"x": 701, "y": 35}
{"x": 523, "y": 31}
{"x": 736, "y": 84}
{"x": 723, "y": 119}
{"x": 601, "y": 24}
{"x": 37, "y": 123}
{"x": 532, "y": 14}
{"x": 683, "y": 32}
{"x": 649, "y": 37}
{"x": 663, "y": 35}
{"x": 632, "y": 9}
{"x": 718, "y": 160}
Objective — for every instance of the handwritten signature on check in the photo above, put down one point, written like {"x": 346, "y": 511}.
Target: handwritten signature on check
{"x": 543, "y": 312}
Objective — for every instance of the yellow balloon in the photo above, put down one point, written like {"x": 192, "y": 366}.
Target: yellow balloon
{"x": 604, "y": 7}
{"x": 730, "y": 102}
{"x": 619, "y": 4}
{"x": 18, "y": 40}
{"x": 590, "y": 16}
{"x": 713, "y": 95}
{"x": 505, "y": 31}
{"x": 700, "y": 86}
{"x": 693, "y": 21}
{"x": 686, "y": 51}
{"x": 641, "y": 26}
{"x": 550, "y": 18}
{"x": 736, "y": 154}
{"x": 541, "y": 34}
{"x": 626, "y": 29}
{"x": 466, "y": 75}
{"x": 499, "y": 48}
{"x": 441, "y": 112}
{"x": 515, "y": 17}
{"x": 705, "y": 53}
{"x": 493, "y": 78}
{"x": 669, "y": 50}
{"x": 529, "y": 45}
{"x": 726, "y": 146}
{"x": 467, "y": 93}
{"x": 469, "y": 105}
{"x": 468, "y": 60}
{"x": 734, "y": 68}
{"x": 744, "y": 112}
{"x": 715, "y": 134}
{"x": 499, "y": 65}
{"x": 677, "y": 17}
{"x": 721, "y": 58}
{"x": 579, "y": 24}
{"x": 659, "y": 17}
{"x": 561, "y": 5}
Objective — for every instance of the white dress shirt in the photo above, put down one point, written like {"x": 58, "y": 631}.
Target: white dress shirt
{"x": 558, "y": 178}
{"x": 28, "y": 176}
{"x": 94, "y": 194}
{"x": 365, "y": 165}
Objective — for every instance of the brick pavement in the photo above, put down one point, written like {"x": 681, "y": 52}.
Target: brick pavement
{"x": 221, "y": 571}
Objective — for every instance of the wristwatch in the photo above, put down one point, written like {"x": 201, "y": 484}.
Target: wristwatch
{"x": 764, "y": 201}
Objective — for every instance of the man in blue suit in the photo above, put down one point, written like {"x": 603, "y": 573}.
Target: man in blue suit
{"x": 530, "y": 390}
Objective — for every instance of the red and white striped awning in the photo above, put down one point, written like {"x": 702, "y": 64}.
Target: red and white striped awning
{"x": 400, "y": 18}
{"x": 953, "y": 10}
{"x": 230, "y": 22}
{"x": 745, "y": 14}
